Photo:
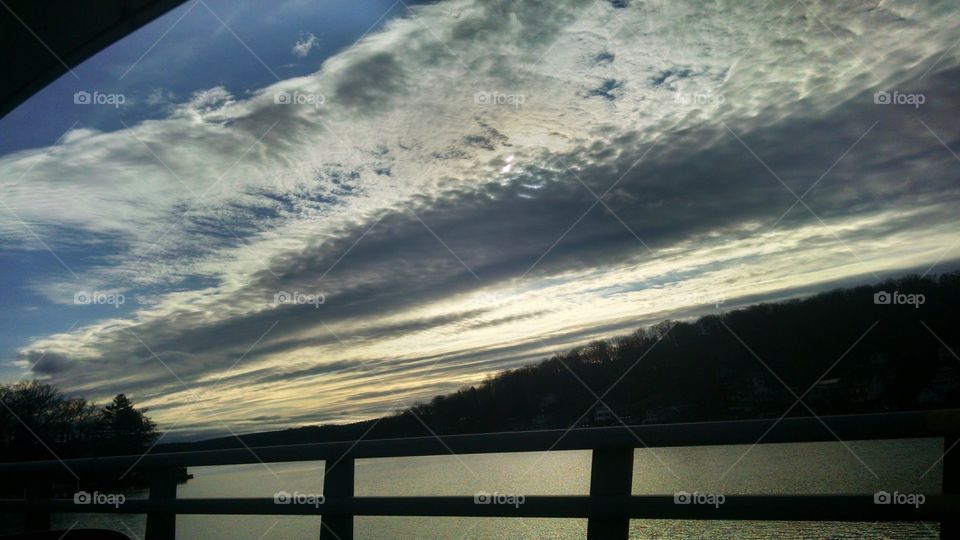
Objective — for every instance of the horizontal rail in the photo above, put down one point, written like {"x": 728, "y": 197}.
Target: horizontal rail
{"x": 903, "y": 425}
{"x": 608, "y": 509}
{"x": 847, "y": 508}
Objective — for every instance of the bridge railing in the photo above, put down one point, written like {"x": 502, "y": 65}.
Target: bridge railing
{"x": 608, "y": 508}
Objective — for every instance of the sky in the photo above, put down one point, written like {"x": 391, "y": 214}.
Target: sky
{"x": 250, "y": 216}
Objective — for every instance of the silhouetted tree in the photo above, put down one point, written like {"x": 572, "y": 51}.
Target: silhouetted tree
{"x": 38, "y": 422}
{"x": 126, "y": 429}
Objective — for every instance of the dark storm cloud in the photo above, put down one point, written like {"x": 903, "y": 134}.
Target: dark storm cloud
{"x": 483, "y": 323}
{"x": 372, "y": 84}
{"x": 273, "y": 374}
{"x": 47, "y": 363}
{"x": 384, "y": 331}
{"x": 538, "y": 22}
{"x": 683, "y": 189}
{"x": 183, "y": 355}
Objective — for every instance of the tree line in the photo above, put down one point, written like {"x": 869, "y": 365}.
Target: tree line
{"x": 841, "y": 350}
{"x": 37, "y": 422}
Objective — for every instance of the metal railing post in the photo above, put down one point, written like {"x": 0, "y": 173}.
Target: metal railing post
{"x": 162, "y": 525}
{"x": 337, "y": 483}
{"x": 611, "y": 474}
{"x": 38, "y": 488}
{"x": 951, "y": 484}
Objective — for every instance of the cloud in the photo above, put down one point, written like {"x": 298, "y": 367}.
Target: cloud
{"x": 46, "y": 364}
{"x": 305, "y": 43}
{"x": 371, "y": 84}
{"x": 159, "y": 97}
{"x": 382, "y": 182}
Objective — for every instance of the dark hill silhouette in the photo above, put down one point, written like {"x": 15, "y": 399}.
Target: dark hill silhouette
{"x": 841, "y": 351}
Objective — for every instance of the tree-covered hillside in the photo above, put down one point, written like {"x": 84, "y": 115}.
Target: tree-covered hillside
{"x": 843, "y": 351}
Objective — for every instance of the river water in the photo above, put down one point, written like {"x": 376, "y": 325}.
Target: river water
{"x": 808, "y": 468}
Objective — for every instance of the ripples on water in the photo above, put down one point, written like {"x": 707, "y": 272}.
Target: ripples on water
{"x": 809, "y": 468}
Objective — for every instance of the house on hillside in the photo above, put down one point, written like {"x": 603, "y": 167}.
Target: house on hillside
{"x": 752, "y": 397}
{"x": 943, "y": 389}
{"x": 603, "y": 416}
{"x": 866, "y": 388}
{"x": 947, "y": 381}
{"x": 827, "y": 392}
{"x": 668, "y": 414}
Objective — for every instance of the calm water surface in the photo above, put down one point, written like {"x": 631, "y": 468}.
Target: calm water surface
{"x": 810, "y": 468}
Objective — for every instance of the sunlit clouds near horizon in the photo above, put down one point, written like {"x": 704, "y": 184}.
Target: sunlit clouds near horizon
{"x": 472, "y": 186}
